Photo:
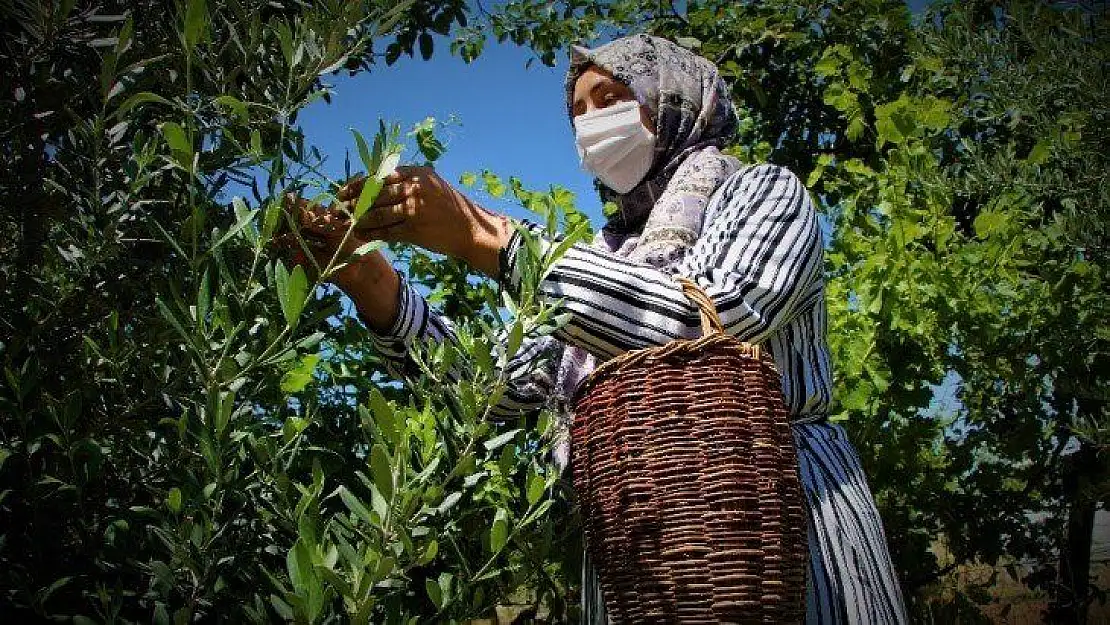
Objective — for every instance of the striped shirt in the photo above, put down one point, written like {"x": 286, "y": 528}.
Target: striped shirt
{"x": 759, "y": 257}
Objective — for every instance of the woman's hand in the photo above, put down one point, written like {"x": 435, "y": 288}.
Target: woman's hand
{"x": 370, "y": 280}
{"x": 417, "y": 206}
{"x": 323, "y": 230}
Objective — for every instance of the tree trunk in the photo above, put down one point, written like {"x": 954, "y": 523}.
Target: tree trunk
{"x": 1070, "y": 603}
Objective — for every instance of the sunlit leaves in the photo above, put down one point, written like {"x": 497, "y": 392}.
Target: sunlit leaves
{"x": 297, "y": 378}
{"x": 244, "y": 218}
{"x": 908, "y": 117}
{"x": 292, "y": 289}
{"x": 173, "y": 500}
{"x": 499, "y": 532}
{"x": 178, "y": 142}
{"x": 370, "y": 189}
{"x": 196, "y": 19}
{"x": 426, "y": 140}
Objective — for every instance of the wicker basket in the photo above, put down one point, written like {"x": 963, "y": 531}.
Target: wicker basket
{"x": 685, "y": 469}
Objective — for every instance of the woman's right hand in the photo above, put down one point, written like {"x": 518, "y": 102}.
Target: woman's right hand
{"x": 369, "y": 280}
{"x": 323, "y": 230}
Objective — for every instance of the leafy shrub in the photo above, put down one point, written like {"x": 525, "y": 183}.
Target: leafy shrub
{"x": 193, "y": 430}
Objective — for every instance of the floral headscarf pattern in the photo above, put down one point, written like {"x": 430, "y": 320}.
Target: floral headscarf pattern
{"x": 686, "y": 99}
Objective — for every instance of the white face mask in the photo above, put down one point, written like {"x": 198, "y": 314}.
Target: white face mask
{"x": 614, "y": 145}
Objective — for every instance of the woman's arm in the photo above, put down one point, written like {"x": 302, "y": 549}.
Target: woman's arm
{"x": 398, "y": 315}
{"x": 758, "y": 258}
{"x": 529, "y": 373}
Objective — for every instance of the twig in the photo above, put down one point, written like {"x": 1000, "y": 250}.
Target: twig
{"x": 678, "y": 16}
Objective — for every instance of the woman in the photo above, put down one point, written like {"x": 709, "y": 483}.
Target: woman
{"x": 649, "y": 119}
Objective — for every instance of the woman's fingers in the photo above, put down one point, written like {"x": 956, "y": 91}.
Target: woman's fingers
{"x": 393, "y": 193}
{"x": 327, "y": 222}
{"x": 351, "y": 189}
{"x": 384, "y": 216}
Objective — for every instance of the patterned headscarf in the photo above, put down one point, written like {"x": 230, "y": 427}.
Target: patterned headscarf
{"x": 661, "y": 217}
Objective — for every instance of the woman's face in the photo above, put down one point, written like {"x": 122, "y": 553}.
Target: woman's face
{"x": 596, "y": 89}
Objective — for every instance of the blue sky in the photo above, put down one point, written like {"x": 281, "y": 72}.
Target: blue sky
{"x": 511, "y": 120}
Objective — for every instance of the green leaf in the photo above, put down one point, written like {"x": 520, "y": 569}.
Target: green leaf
{"x": 244, "y": 220}
{"x": 168, "y": 315}
{"x": 690, "y": 43}
{"x": 173, "y": 500}
{"x": 296, "y": 288}
{"x": 364, "y": 151}
{"x": 499, "y": 533}
{"x": 237, "y": 106}
{"x": 177, "y": 140}
{"x": 434, "y": 592}
{"x": 142, "y": 97}
{"x": 468, "y": 179}
{"x": 1040, "y": 152}
{"x": 355, "y": 505}
{"x": 494, "y": 186}
{"x": 389, "y": 165}
{"x": 367, "y": 248}
{"x": 989, "y": 222}
{"x": 270, "y": 218}
{"x": 445, "y": 580}
{"x": 536, "y": 486}
{"x": 829, "y": 65}
{"x": 384, "y": 417}
{"x": 448, "y": 503}
{"x": 427, "y": 142}
{"x": 298, "y": 563}
{"x": 169, "y": 239}
{"x": 430, "y": 552}
{"x": 196, "y": 17}
{"x": 297, "y": 378}
{"x": 876, "y": 304}
{"x": 371, "y": 187}
{"x": 501, "y": 440}
{"x": 310, "y": 341}
{"x": 378, "y": 503}
{"x": 382, "y": 470}
{"x": 44, "y": 594}
{"x": 281, "y": 283}
{"x": 204, "y": 297}
{"x": 516, "y": 337}
{"x": 282, "y": 608}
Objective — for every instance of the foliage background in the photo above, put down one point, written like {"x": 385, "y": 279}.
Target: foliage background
{"x": 189, "y": 431}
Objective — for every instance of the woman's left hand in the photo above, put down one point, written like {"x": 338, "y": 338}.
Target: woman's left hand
{"x": 417, "y": 206}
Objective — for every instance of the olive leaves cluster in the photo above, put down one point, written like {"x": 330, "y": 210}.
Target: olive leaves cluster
{"x": 192, "y": 429}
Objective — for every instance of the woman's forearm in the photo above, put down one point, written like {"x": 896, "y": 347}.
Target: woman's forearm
{"x": 373, "y": 285}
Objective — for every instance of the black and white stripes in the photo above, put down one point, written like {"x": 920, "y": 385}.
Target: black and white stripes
{"x": 759, "y": 257}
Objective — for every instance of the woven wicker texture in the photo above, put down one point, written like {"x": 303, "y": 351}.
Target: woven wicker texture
{"x": 687, "y": 478}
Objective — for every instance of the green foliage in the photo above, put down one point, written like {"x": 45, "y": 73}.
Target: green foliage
{"x": 960, "y": 161}
{"x": 190, "y": 429}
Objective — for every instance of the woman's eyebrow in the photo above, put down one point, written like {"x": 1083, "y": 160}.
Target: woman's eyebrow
{"x": 605, "y": 82}
{"x": 601, "y": 84}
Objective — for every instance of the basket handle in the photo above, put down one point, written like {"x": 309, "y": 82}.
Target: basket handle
{"x": 710, "y": 320}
